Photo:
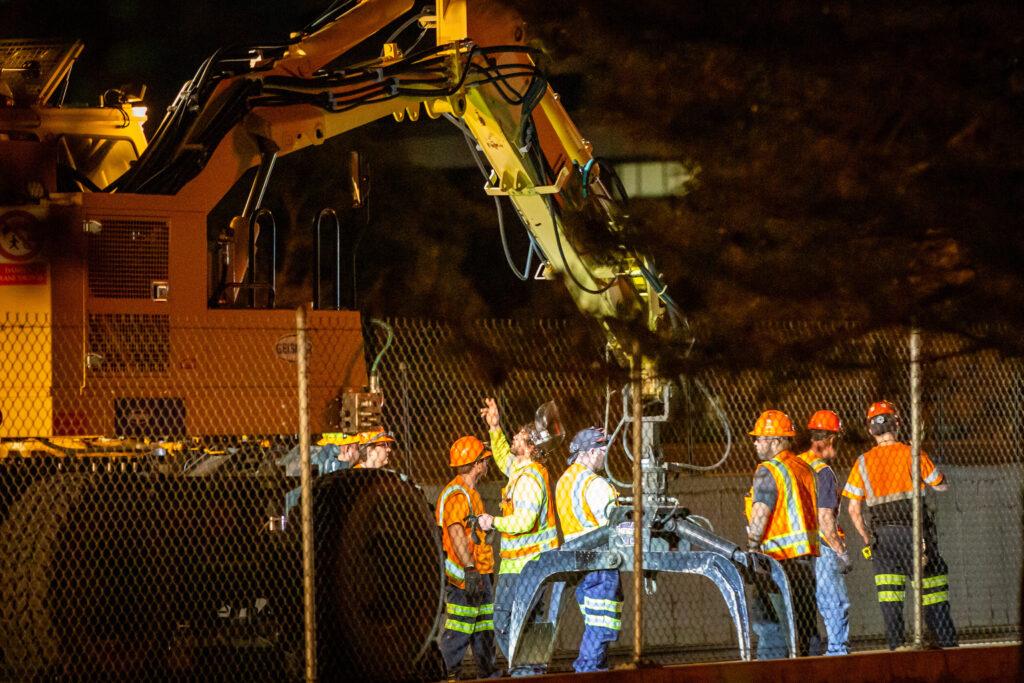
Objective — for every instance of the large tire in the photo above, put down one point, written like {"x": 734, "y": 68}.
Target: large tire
{"x": 378, "y": 576}
{"x": 76, "y": 593}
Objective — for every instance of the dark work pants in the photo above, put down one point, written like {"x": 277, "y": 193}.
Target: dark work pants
{"x": 469, "y": 622}
{"x": 893, "y": 558}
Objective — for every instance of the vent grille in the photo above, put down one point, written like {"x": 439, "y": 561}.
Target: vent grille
{"x": 129, "y": 343}
{"x": 126, "y": 257}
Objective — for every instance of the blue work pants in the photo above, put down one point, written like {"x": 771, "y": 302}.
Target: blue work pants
{"x": 600, "y": 599}
{"x": 833, "y": 604}
{"x": 468, "y": 621}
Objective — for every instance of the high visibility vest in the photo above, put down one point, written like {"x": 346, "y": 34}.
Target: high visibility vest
{"x": 574, "y": 511}
{"x": 792, "y": 529}
{"x": 483, "y": 555}
{"x": 544, "y": 534}
{"x": 882, "y": 475}
{"x": 818, "y": 464}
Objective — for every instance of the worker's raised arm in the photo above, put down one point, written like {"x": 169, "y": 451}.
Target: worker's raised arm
{"x": 499, "y": 443}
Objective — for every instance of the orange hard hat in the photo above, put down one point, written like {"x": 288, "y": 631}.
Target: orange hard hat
{"x": 881, "y": 408}
{"x": 466, "y": 451}
{"x": 825, "y": 421}
{"x": 773, "y": 423}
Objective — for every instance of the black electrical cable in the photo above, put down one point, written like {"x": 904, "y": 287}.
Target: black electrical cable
{"x": 523, "y": 275}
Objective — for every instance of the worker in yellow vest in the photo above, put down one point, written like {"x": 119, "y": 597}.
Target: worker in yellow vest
{"x": 582, "y": 498}
{"x": 527, "y": 523}
{"x": 782, "y": 522}
{"x": 469, "y": 562}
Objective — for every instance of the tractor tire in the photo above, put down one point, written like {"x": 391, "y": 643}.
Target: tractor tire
{"x": 379, "y": 576}
{"x": 76, "y": 594}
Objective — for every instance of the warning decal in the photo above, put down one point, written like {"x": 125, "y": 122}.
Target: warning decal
{"x": 20, "y": 243}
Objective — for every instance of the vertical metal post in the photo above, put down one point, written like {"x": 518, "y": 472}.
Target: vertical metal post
{"x": 915, "y": 476}
{"x": 636, "y": 392}
{"x": 308, "y": 585}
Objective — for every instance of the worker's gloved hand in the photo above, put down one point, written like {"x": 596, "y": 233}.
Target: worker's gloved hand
{"x": 845, "y": 563}
{"x": 866, "y": 552}
{"x": 474, "y": 584}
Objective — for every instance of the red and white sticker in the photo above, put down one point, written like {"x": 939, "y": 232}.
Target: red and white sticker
{"x": 21, "y": 242}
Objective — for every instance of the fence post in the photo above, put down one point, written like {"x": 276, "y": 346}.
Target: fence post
{"x": 915, "y": 475}
{"x": 308, "y": 585}
{"x": 636, "y": 392}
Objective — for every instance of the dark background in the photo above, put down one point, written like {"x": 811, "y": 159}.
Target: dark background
{"x": 860, "y": 162}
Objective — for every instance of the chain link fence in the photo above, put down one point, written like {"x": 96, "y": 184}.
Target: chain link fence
{"x": 149, "y": 488}
{"x": 436, "y": 375}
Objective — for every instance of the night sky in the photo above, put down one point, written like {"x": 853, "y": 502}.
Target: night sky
{"x": 854, "y": 161}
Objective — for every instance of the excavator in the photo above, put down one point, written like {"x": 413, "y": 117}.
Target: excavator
{"x": 100, "y": 237}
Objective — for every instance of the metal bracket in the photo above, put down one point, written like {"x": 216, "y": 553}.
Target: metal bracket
{"x": 506, "y": 187}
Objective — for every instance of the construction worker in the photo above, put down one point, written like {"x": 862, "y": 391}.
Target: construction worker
{"x": 527, "y": 524}
{"x": 469, "y": 562}
{"x": 374, "y": 450}
{"x": 834, "y": 561}
{"x": 343, "y": 447}
{"x": 582, "y": 497}
{"x": 782, "y": 522}
{"x": 882, "y": 477}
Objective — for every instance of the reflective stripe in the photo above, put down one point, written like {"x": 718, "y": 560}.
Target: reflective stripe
{"x": 891, "y": 596}
{"x": 934, "y": 477}
{"x": 525, "y": 546}
{"x": 799, "y": 541}
{"x": 850, "y": 488}
{"x": 462, "y": 610}
{"x": 603, "y": 605}
{"x": 452, "y": 488}
{"x": 460, "y": 626}
{"x": 522, "y": 545}
{"x": 483, "y": 626}
{"x": 603, "y": 621}
{"x": 935, "y": 598}
{"x": 935, "y": 581}
{"x": 890, "y": 579}
{"x": 870, "y": 494}
{"x": 817, "y": 465}
{"x": 580, "y": 508}
{"x": 487, "y": 609}
{"x": 526, "y": 505}
{"x": 453, "y": 570}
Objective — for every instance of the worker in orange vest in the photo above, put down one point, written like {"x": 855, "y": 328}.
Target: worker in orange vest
{"x": 469, "y": 562}
{"x": 582, "y": 498}
{"x": 882, "y": 478}
{"x": 833, "y": 563}
{"x": 782, "y": 522}
{"x": 374, "y": 450}
{"x": 527, "y": 523}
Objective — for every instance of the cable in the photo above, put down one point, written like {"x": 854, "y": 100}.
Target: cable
{"x": 524, "y": 275}
{"x": 335, "y": 9}
{"x": 387, "y": 343}
{"x": 565, "y": 262}
{"x": 725, "y": 427}
{"x": 406, "y": 24}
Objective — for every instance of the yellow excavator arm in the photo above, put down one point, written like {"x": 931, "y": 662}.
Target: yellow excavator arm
{"x": 481, "y": 74}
